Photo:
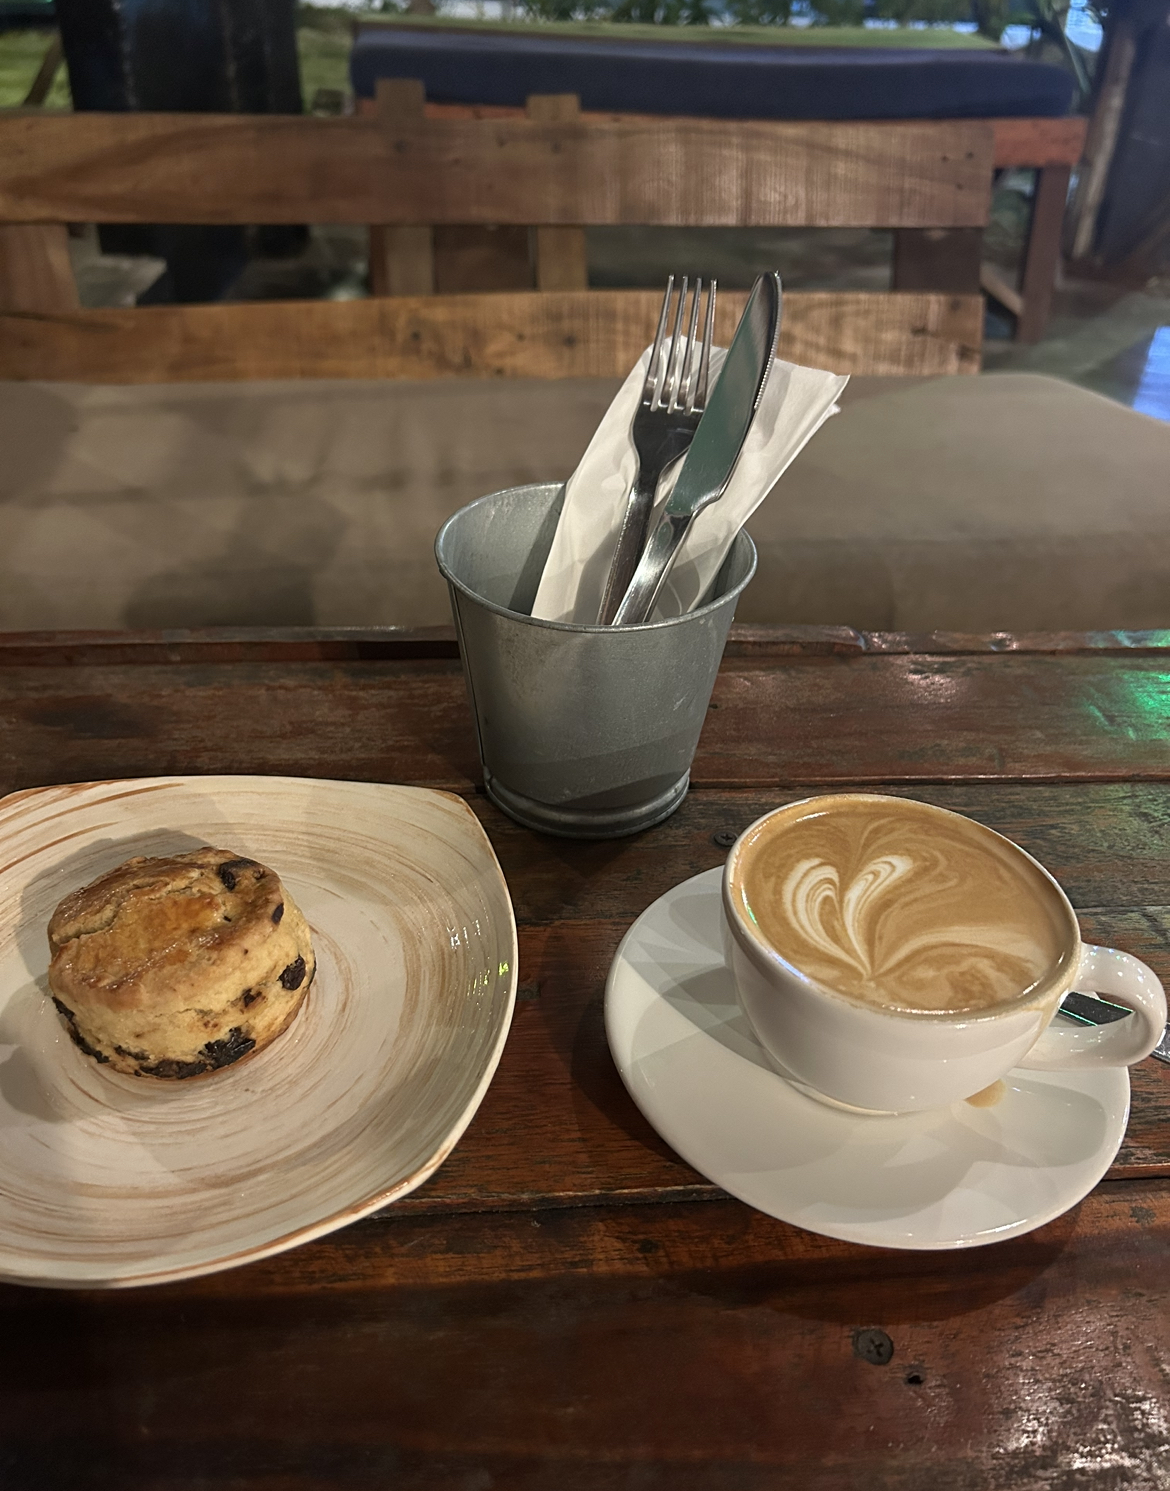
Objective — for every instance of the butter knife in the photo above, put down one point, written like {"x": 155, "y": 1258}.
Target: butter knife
{"x": 715, "y": 448}
{"x": 1086, "y": 1010}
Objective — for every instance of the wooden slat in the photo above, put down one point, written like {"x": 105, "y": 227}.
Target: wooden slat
{"x": 597, "y": 333}
{"x": 198, "y": 168}
{"x": 561, "y": 261}
{"x": 1039, "y": 142}
{"x": 795, "y": 721}
{"x": 35, "y": 272}
{"x": 1017, "y": 142}
{"x": 402, "y": 255}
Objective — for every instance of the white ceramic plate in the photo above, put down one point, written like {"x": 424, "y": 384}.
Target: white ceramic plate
{"x": 952, "y": 1179}
{"x": 112, "y": 1180}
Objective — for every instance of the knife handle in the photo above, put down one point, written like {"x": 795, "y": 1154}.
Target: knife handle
{"x": 631, "y": 538}
{"x": 653, "y": 568}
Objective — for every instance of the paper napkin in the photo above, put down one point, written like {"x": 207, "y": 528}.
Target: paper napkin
{"x": 795, "y": 404}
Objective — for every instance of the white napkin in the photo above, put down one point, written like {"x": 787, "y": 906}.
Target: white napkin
{"x": 796, "y": 403}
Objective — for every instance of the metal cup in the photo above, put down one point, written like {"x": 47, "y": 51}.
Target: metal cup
{"x": 584, "y": 731}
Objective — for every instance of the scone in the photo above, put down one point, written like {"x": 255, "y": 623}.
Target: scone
{"x": 174, "y": 967}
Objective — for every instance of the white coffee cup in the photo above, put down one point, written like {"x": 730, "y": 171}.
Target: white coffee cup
{"x": 881, "y": 1060}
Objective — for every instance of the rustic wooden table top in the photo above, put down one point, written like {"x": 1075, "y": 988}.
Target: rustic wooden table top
{"x": 566, "y": 1303}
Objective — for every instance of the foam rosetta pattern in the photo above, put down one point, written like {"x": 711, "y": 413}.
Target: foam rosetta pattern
{"x": 903, "y": 906}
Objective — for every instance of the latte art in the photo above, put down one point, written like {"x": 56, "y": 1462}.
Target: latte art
{"x": 901, "y": 905}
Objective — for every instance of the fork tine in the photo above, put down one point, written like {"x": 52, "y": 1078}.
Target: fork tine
{"x": 705, "y": 356}
{"x": 652, "y": 388}
{"x": 687, "y": 391}
{"x": 677, "y": 352}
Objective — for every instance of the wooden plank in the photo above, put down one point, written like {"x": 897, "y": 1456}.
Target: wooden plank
{"x": 1101, "y": 142}
{"x": 1016, "y": 142}
{"x": 797, "y": 722}
{"x": 35, "y": 273}
{"x": 203, "y": 168}
{"x": 299, "y": 644}
{"x": 1039, "y": 142}
{"x": 1042, "y": 255}
{"x": 597, "y": 333}
{"x": 792, "y": 722}
{"x": 401, "y": 256}
{"x": 561, "y": 260}
{"x": 602, "y": 1348}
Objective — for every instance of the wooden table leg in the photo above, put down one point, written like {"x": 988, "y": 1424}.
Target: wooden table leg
{"x": 1042, "y": 254}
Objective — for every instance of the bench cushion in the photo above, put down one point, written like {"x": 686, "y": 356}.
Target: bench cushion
{"x": 1004, "y": 502}
{"x": 719, "y": 81}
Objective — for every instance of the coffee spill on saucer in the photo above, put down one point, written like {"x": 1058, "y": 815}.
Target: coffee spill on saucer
{"x": 989, "y": 1096}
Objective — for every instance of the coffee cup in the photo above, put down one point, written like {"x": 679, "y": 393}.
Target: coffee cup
{"x": 892, "y": 956}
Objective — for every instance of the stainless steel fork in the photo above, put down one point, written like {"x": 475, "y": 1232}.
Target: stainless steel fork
{"x": 674, "y": 396}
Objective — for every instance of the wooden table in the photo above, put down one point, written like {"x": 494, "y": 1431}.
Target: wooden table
{"x": 566, "y": 1304}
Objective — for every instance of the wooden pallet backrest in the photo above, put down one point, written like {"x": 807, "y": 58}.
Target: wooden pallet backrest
{"x": 404, "y": 171}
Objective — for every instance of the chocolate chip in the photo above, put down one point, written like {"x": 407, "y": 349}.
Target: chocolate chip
{"x": 168, "y": 1067}
{"x": 293, "y": 975}
{"x": 234, "y": 1045}
{"x": 65, "y": 1010}
{"x": 83, "y": 1045}
{"x": 231, "y": 868}
{"x": 278, "y": 912}
{"x": 131, "y": 1055}
{"x": 249, "y": 998}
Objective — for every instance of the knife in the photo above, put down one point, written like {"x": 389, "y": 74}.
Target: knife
{"x": 1087, "y": 1010}
{"x": 715, "y": 448}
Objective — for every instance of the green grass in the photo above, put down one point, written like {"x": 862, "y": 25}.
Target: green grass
{"x": 20, "y": 58}
{"x": 324, "y": 38}
{"x": 794, "y": 36}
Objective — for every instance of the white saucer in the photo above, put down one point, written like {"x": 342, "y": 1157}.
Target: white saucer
{"x": 951, "y": 1179}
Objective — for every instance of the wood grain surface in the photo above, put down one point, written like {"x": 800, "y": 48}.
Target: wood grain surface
{"x": 225, "y": 168}
{"x": 516, "y": 334}
{"x": 1017, "y": 142}
{"x": 566, "y": 1303}
{"x": 654, "y": 1347}
{"x": 781, "y": 719}
{"x": 35, "y": 272}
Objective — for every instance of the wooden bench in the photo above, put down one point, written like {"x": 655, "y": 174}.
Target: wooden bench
{"x": 931, "y": 259}
{"x": 406, "y": 172}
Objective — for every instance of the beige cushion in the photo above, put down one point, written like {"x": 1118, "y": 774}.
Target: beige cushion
{"x": 1001, "y": 502}
{"x": 1006, "y": 502}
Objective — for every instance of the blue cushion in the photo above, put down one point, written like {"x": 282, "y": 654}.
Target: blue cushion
{"x": 721, "y": 81}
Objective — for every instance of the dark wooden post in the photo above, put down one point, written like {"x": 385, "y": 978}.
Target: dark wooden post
{"x": 185, "y": 56}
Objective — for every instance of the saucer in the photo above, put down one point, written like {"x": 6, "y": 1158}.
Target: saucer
{"x": 953, "y": 1178}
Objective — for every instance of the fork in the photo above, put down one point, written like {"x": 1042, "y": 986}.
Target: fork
{"x": 674, "y": 396}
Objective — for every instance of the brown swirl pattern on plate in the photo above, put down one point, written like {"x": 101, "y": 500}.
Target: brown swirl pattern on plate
{"x": 109, "y": 1180}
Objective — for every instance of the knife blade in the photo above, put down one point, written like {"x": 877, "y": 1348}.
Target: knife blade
{"x": 1086, "y": 1009}
{"x": 716, "y": 446}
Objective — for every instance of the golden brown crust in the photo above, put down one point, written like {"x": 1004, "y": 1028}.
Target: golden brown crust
{"x": 174, "y": 966}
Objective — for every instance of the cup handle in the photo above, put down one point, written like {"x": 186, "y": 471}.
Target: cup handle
{"x": 1125, "y": 980}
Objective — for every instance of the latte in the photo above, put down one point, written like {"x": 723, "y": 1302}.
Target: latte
{"x": 902, "y": 905}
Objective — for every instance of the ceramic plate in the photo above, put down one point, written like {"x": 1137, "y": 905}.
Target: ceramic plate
{"x": 112, "y": 1180}
{"x": 950, "y": 1179}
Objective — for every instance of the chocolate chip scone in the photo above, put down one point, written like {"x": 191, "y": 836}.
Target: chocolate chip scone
{"x": 174, "y": 967}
